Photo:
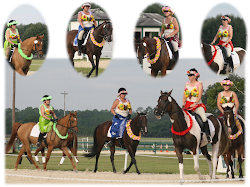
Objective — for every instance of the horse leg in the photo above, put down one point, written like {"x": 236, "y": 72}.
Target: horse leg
{"x": 196, "y": 163}
{"x": 37, "y": 151}
{"x": 163, "y": 72}
{"x": 93, "y": 65}
{"x": 179, "y": 155}
{"x": 208, "y": 157}
{"x": 50, "y": 148}
{"x": 65, "y": 151}
{"x": 97, "y": 63}
{"x": 19, "y": 156}
{"x": 20, "y": 71}
{"x": 215, "y": 152}
{"x": 112, "y": 152}
{"x": 133, "y": 160}
{"x": 240, "y": 153}
{"x": 99, "y": 149}
{"x": 75, "y": 155}
{"x": 225, "y": 156}
{"x": 154, "y": 73}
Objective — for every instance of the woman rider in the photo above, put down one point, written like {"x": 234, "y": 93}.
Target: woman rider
{"x": 46, "y": 121}
{"x": 230, "y": 99}
{"x": 192, "y": 98}
{"x": 170, "y": 28}
{"x": 121, "y": 109}
{"x": 86, "y": 20}
{"x": 12, "y": 37}
{"x": 225, "y": 34}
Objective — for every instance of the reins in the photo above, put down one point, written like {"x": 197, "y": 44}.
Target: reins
{"x": 105, "y": 35}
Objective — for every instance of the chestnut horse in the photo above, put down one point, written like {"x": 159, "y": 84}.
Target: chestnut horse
{"x": 188, "y": 134}
{"x": 215, "y": 59}
{"x": 53, "y": 140}
{"x": 21, "y": 64}
{"x": 100, "y": 137}
{"x": 71, "y": 144}
{"x": 237, "y": 142}
{"x": 102, "y": 32}
{"x": 148, "y": 45}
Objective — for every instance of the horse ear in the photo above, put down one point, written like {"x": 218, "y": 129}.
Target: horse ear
{"x": 75, "y": 112}
{"x": 161, "y": 92}
{"x": 137, "y": 113}
{"x": 37, "y": 36}
{"x": 146, "y": 112}
{"x": 169, "y": 93}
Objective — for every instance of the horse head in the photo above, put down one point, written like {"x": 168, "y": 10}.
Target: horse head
{"x": 228, "y": 118}
{"x": 164, "y": 104}
{"x": 38, "y": 45}
{"x": 73, "y": 121}
{"x": 106, "y": 31}
{"x": 142, "y": 121}
{"x": 140, "y": 49}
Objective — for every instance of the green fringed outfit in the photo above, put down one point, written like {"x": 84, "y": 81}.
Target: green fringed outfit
{"x": 44, "y": 124}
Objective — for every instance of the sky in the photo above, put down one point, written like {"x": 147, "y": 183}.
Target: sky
{"x": 57, "y": 75}
{"x": 26, "y": 13}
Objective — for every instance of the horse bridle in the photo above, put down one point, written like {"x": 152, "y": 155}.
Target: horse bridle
{"x": 143, "y": 56}
{"x": 69, "y": 121}
{"x": 105, "y": 35}
{"x": 36, "y": 51}
{"x": 233, "y": 125}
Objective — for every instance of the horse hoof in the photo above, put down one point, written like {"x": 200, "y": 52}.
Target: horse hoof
{"x": 138, "y": 173}
{"x": 114, "y": 171}
{"x": 124, "y": 172}
{"x": 76, "y": 171}
{"x": 94, "y": 171}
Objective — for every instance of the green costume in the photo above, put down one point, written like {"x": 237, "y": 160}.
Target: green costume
{"x": 13, "y": 37}
{"x": 44, "y": 124}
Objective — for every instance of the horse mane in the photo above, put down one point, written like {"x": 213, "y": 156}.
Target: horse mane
{"x": 108, "y": 22}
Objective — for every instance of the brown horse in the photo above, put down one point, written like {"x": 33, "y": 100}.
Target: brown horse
{"x": 100, "y": 137}
{"x": 103, "y": 31}
{"x": 53, "y": 140}
{"x": 71, "y": 144}
{"x": 191, "y": 137}
{"x": 19, "y": 63}
{"x": 215, "y": 60}
{"x": 237, "y": 143}
{"x": 148, "y": 45}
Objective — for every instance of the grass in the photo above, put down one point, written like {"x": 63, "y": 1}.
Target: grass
{"x": 36, "y": 64}
{"x": 161, "y": 164}
{"x": 85, "y": 71}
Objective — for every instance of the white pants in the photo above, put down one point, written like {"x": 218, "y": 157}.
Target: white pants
{"x": 201, "y": 112}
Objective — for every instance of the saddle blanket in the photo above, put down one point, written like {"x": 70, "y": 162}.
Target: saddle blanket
{"x": 235, "y": 57}
{"x": 35, "y": 131}
{"x": 75, "y": 43}
{"x": 118, "y": 126}
{"x": 169, "y": 50}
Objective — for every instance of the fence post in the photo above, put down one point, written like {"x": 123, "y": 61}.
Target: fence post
{"x": 126, "y": 160}
{"x": 155, "y": 147}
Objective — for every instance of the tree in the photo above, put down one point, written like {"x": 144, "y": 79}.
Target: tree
{"x": 209, "y": 97}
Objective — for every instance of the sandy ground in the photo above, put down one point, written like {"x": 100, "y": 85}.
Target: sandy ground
{"x": 102, "y": 64}
{"x": 23, "y": 176}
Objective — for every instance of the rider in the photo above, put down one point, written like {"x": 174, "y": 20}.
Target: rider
{"x": 170, "y": 28}
{"x": 46, "y": 112}
{"x": 225, "y": 34}
{"x": 12, "y": 37}
{"x": 121, "y": 109}
{"x": 230, "y": 99}
{"x": 192, "y": 98}
{"x": 86, "y": 20}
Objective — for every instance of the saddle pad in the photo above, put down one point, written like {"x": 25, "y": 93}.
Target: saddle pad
{"x": 235, "y": 57}
{"x": 169, "y": 50}
{"x": 75, "y": 42}
{"x": 35, "y": 131}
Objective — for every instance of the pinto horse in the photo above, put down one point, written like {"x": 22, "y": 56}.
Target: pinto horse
{"x": 100, "y": 137}
{"x": 71, "y": 144}
{"x": 148, "y": 45}
{"x": 102, "y": 32}
{"x": 236, "y": 137}
{"x": 53, "y": 140}
{"x": 187, "y": 134}
{"x": 215, "y": 59}
{"x": 21, "y": 64}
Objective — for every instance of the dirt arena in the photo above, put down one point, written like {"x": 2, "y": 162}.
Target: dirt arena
{"x": 23, "y": 176}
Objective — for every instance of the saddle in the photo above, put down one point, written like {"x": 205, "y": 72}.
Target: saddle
{"x": 198, "y": 119}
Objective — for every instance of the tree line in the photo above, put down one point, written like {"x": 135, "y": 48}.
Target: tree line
{"x": 31, "y": 30}
{"x": 88, "y": 120}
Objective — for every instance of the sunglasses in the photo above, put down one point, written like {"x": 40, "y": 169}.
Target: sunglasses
{"x": 190, "y": 75}
{"x": 166, "y": 11}
{"x": 225, "y": 85}
{"x": 224, "y": 19}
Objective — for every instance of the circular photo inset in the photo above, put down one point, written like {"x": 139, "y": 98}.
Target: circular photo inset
{"x": 25, "y": 40}
{"x": 157, "y": 39}
{"x": 90, "y": 40}
{"x": 223, "y": 39}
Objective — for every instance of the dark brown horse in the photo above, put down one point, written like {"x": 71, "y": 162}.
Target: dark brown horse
{"x": 237, "y": 142}
{"x": 103, "y": 31}
{"x": 215, "y": 60}
{"x": 191, "y": 137}
{"x": 71, "y": 144}
{"x": 148, "y": 45}
{"x": 53, "y": 140}
{"x": 18, "y": 62}
{"x": 100, "y": 137}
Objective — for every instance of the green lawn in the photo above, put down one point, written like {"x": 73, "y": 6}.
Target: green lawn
{"x": 36, "y": 64}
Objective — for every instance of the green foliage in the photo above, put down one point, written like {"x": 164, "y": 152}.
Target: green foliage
{"x": 31, "y": 30}
{"x": 154, "y": 8}
{"x": 93, "y": 6}
{"x": 211, "y": 26}
{"x": 209, "y": 97}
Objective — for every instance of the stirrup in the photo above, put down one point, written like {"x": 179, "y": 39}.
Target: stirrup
{"x": 79, "y": 52}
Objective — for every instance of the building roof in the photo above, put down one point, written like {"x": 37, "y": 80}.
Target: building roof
{"x": 98, "y": 14}
{"x": 150, "y": 20}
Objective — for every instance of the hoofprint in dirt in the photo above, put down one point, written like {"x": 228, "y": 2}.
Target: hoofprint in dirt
{"x": 24, "y": 176}
{"x": 84, "y": 64}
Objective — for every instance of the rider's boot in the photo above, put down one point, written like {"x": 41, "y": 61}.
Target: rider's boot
{"x": 80, "y": 42}
{"x": 111, "y": 142}
{"x": 231, "y": 64}
{"x": 224, "y": 69}
{"x": 39, "y": 142}
{"x": 207, "y": 131}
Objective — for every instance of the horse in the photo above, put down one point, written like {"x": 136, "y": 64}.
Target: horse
{"x": 71, "y": 144}
{"x": 100, "y": 137}
{"x": 148, "y": 45}
{"x": 215, "y": 60}
{"x": 237, "y": 142}
{"x": 191, "y": 137}
{"x": 102, "y": 32}
{"x": 54, "y": 138}
{"x": 21, "y": 62}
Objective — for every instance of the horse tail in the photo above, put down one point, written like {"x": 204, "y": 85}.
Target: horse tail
{"x": 15, "y": 128}
{"x": 75, "y": 144}
{"x": 224, "y": 142}
{"x": 93, "y": 151}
